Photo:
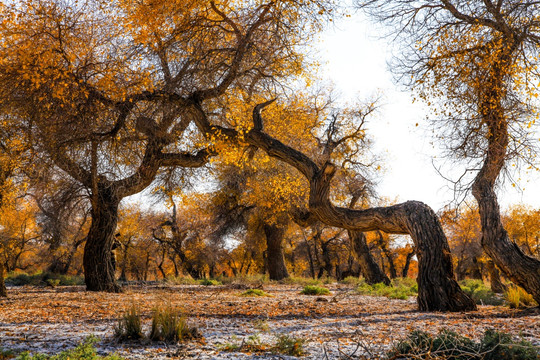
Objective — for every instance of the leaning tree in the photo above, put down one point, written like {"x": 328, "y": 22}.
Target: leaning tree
{"x": 438, "y": 290}
{"x": 105, "y": 90}
{"x": 476, "y": 63}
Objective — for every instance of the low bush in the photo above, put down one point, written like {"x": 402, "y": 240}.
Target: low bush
{"x": 518, "y": 298}
{"x": 255, "y": 293}
{"x": 85, "y": 351}
{"x": 449, "y": 345}
{"x": 352, "y": 280}
{"x": 315, "y": 290}
{"x": 289, "y": 345}
{"x": 129, "y": 325}
{"x": 400, "y": 289}
{"x": 181, "y": 280}
{"x": 209, "y": 282}
{"x": 291, "y": 280}
{"x": 170, "y": 326}
{"x": 480, "y": 293}
{"x": 40, "y": 278}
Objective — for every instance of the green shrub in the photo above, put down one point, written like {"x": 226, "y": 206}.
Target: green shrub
{"x": 181, "y": 280}
{"x": 170, "y": 326}
{"x": 449, "y": 345}
{"x": 291, "y": 280}
{"x": 129, "y": 325}
{"x": 315, "y": 290}
{"x": 255, "y": 293}
{"x": 518, "y": 298}
{"x": 40, "y": 278}
{"x": 479, "y": 292}
{"x": 53, "y": 282}
{"x": 400, "y": 289}
{"x": 208, "y": 282}
{"x": 352, "y": 280}
{"x": 85, "y": 351}
{"x": 289, "y": 345}
{"x": 253, "y": 280}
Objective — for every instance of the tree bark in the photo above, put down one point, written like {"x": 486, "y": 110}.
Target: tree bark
{"x": 495, "y": 278}
{"x": 3, "y": 290}
{"x": 387, "y": 254}
{"x": 274, "y": 253}
{"x": 369, "y": 267}
{"x": 512, "y": 261}
{"x": 98, "y": 266}
{"x": 408, "y": 259}
{"x": 327, "y": 267}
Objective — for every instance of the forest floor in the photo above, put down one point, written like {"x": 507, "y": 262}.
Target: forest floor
{"x": 342, "y": 325}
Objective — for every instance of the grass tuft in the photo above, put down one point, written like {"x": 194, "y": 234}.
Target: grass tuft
{"x": 170, "y": 326}
{"x": 129, "y": 325}
{"x": 210, "y": 282}
{"x": 255, "y": 293}
{"x": 315, "y": 290}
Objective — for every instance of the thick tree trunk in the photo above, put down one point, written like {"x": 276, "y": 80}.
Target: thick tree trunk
{"x": 328, "y": 267}
{"x": 3, "y": 291}
{"x": 99, "y": 274}
{"x": 517, "y": 266}
{"x": 274, "y": 253}
{"x": 368, "y": 266}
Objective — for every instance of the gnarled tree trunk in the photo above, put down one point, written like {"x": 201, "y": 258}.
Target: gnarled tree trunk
{"x": 437, "y": 288}
{"x": 521, "y": 269}
{"x": 274, "y": 253}
{"x": 99, "y": 274}
{"x": 368, "y": 266}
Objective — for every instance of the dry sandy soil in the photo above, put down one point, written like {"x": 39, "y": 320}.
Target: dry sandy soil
{"x": 343, "y": 325}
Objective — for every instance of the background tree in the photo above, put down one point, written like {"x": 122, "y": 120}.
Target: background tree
{"x": 105, "y": 91}
{"x": 437, "y": 288}
{"x": 476, "y": 63}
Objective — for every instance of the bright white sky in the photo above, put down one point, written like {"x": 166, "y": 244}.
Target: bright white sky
{"x": 355, "y": 60}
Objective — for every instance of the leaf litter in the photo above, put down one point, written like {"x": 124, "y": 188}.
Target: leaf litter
{"x": 345, "y": 325}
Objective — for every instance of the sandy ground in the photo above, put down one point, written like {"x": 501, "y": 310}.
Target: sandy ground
{"x": 343, "y": 325}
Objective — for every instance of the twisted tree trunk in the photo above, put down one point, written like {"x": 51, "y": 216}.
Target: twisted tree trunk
{"x": 522, "y": 269}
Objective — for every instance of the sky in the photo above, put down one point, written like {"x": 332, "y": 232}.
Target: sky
{"x": 354, "y": 58}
